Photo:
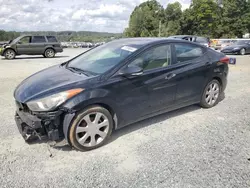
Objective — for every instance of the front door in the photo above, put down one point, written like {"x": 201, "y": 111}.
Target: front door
{"x": 193, "y": 66}
{"x": 155, "y": 88}
{"x": 23, "y": 45}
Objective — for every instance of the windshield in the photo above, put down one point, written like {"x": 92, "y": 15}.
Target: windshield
{"x": 240, "y": 42}
{"x": 102, "y": 58}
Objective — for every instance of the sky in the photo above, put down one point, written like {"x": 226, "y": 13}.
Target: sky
{"x": 78, "y": 15}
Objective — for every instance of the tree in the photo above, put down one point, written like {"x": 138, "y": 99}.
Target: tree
{"x": 203, "y": 15}
{"x": 144, "y": 20}
{"x": 234, "y": 15}
{"x": 173, "y": 15}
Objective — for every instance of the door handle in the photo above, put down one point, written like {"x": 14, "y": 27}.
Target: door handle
{"x": 169, "y": 76}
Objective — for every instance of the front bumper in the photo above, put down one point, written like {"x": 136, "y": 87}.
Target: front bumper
{"x": 43, "y": 126}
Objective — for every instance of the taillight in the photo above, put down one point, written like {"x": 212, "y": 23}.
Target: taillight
{"x": 225, "y": 60}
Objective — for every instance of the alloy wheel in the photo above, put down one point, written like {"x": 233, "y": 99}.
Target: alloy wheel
{"x": 92, "y": 129}
{"x": 10, "y": 54}
{"x": 50, "y": 53}
{"x": 243, "y": 51}
{"x": 212, "y": 93}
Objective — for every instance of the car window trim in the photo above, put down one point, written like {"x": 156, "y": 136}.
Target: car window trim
{"x": 38, "y": 42}
{"x": 184, "y": 62}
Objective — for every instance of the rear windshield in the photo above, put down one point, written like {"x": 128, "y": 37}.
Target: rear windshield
{"x": 51, "y": 39}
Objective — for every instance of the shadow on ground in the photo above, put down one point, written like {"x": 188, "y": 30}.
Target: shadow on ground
{"x": 135, "y": 126}
{"x": 33, "y": 57}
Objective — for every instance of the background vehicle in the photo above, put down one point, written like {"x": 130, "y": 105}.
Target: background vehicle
{"x": 222, "y": 43}
{"x": 47, "y": 46}
{"x": 201, "y": 40}
{"x": 116, "y": 84}
{"x": 241, "y": 47}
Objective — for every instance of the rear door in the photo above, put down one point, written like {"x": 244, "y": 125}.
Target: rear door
{"x": 23, "y": 45}
{"x": 52, "y": 41}
{"x": 192, "y": 69}
{"x": 38, "y": 44}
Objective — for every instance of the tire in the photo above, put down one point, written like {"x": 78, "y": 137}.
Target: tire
{"x": 243, "y": 51}
{"x": 9, "y": 54}
{"x": 44, "y": 55}
{"x": 49, "y": 53}
{"x": 90, "y": 134}
{"x": 215, "y": 94}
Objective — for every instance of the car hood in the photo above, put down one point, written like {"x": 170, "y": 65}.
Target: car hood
{"x": 233, "y": 46}
{"x": 47, "y": 82}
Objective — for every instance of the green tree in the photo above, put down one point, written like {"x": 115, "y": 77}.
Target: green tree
{"x": 173, "y": 15}
{"x": 144, "y": 20}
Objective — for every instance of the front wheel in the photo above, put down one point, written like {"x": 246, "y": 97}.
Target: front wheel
{"x": 90, "y": 129}
{"x": 243, "y": 51}
{"x": 10, "y": 54}
{"x": 211, "y": 94}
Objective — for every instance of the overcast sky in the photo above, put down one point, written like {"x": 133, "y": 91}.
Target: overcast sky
{"x": 59, "y": 15}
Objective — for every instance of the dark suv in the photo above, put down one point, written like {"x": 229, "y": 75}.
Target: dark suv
{"x": 47, "y": 46}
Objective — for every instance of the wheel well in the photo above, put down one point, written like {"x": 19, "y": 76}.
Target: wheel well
{"x": 107, "y": 107}
{"x": 49, "y": 48}
{"x": 111, "y": 111}
{"x": 8, "y": 49}
{"x": 218, "y": 79}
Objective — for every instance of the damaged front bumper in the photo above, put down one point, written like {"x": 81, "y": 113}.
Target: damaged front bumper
{"x": 39, "y": 125}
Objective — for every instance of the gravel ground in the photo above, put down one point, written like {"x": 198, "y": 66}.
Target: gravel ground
{"x": 190, "y": 147}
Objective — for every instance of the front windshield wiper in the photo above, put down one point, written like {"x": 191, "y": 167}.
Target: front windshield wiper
{"x": 75, "y": 69}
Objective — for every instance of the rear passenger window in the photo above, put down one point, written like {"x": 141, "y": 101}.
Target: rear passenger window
{"x": 38, "y": 39}
{"x": 51, "y": 39}
{"x": 187, "y": 52}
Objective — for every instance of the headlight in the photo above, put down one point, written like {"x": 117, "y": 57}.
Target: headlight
{"x": 53, "y": 101}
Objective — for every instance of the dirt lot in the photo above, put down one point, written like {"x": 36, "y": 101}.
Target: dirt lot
{"x": 190, "y": 147}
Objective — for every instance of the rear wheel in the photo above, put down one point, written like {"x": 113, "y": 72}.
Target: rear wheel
{"x": 211, "y": 94}
{"x": 49, "y": 53}
{"x": 243, "y": 51}
{"x": 90, "y": 129}
{"x": 10, "y": 54}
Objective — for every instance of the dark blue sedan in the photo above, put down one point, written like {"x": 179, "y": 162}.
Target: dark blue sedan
{"x": 241, "y": 47}
{"x": 110, "y": 86}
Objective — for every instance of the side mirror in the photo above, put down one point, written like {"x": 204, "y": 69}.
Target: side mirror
{"x": 133, "y": 71}
{"x": 19, "y": 42}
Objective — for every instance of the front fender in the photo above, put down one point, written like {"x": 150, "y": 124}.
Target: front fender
{"x": 6, "y": 48}
{"x": 92, "y": 97}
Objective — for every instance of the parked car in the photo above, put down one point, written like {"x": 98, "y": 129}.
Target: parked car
{"x": 201, "y": 40}
{"x": 47, "y": 46}
{"x": 241, "y": 47}
{"x": 115, "y": 84}
{"x": 223, "y": 43}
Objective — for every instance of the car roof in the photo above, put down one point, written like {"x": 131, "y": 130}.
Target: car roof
{"x": 182, "y": 36}
{"x": 142, "y": 41}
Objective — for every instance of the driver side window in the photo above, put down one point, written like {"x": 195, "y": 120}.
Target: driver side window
{"x": 153, "y": 58}
{"x": 24, "y": 40}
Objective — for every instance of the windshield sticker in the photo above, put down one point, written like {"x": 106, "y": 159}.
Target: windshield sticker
{"x": 129, "y": 48}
